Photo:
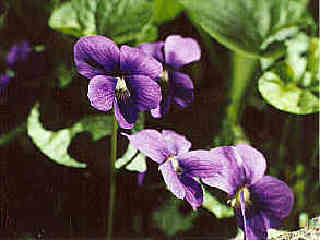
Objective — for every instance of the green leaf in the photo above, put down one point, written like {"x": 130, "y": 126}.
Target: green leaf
{"x": 64, "y": 75}
{"x": 170, "y": 220}
{"x": 64, "y": 19}
{"x": 243, "y": 25}
{"x": 166, "y": 10}
{"x": 292, "y": 84}
{"x": 55, "y": 144}
{"x": 121, "y": 20}
{"x": 287, "y": 96}
{"x": 214, "y": 206}
{"x": 133, "y": 160}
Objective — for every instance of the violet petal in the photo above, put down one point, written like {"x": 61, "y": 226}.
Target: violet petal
{"x": 101, "y": 92}
{"x": 96, "y": 55}
{"x": 171, "y": 179}
{"x": 145, "y": 93}
{"x": 194, "y": 192}
{"x": 183, "y": 89}
{"x": 154, "y": 49}
{"x": 253, "y": 162}
{"x": 231, "y": 175}
{"x": 163, "y": 108}
{"x": 272, "y": 196}
{"x": 180, "y": 51}
{"x": 200, "y": 164}
{"x": 127, "y": 110}
{"x": 177, "y": 144}
{"x": 135, "y": 62}
{"x": 123, "y": 122}
{"x": 257, "y": 223}
{"x": 151, "y": 143}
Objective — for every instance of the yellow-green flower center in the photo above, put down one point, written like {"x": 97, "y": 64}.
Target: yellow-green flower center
{"x": 235, "y": 202}
{"x": 175, "y": 163}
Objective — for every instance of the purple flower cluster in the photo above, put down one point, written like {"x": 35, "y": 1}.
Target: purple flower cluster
{"x": 130, "y": 79}
{"x": 260, "y": 202}
{"x": 147, "y": 78}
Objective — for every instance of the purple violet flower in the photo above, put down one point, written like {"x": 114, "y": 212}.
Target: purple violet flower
{"x": 260, "y": 202}
{"x": 123, "y": 78}
{"x": 18, "y": 54}
{"x": 174, "y": 53}
{"x": 179, "y": 167}
{"x": 4, "y": 81}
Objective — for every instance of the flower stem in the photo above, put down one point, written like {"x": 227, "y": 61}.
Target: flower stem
{"x": 242, "y": 70}
{"x": 112, "y": 180}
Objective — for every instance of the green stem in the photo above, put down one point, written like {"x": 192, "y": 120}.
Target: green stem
{"x": 112, "y": 180}
{"x": 243, "y": 68}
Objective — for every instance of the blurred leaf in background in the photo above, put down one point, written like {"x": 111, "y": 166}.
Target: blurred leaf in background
{"x": 292, "y": 84}
{"x": 243, "y": 25}
{"x": 166, "y": 10}
{"x": 120, "y": 20}
{"x": 169, "y": 219}
{"x": 55, "y": 144}
{"x": 132, "y": 159}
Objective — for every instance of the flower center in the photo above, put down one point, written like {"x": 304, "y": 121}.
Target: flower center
{"x": 235, "y": 202}
{"x": 175, "y": 164}
{"x": 122, "y": 91}
{"x": 164, "y": 76}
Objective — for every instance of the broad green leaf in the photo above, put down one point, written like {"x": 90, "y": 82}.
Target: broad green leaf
{"x": 170, "y": 220}
{"x": 287, "y": 96}
{"x": 64, "y": 19}
{"x": 123, "y": 19}
{"x": 292, "y": 84}
{"x": 55, "y": 144}
{"x": 166, "y": 10}
{"x": 132, "y": 159}
{"x": 214, "y": 206}
{"x": 243, "y": 25}
{"x": 120, "y": 20}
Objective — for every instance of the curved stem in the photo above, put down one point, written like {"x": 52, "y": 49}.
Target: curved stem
{"x": 112, "y": 181}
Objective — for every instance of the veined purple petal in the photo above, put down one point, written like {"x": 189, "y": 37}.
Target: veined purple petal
{"x": 123, "y": 123}
{"x": 177, "y": 144}
{"x": 126, "y": 112}
{"x": 145, "y": 93}
{"x": 194, "y": 192}
{"x": 253, "y": 162}
{"x": 155, "y": 50}
{"x": 256, "y": 225}
{"x": 151, "y": 143}
{"x": 272, "y": 196}
{"x": 134, "y": 61}
{"x": 183, "y": 89}
{"x": 163, "y": 108}
{"x": 101, "y": 92}
{"x": 180, "y": 51}
{"x": 200, "y": 164}
{"x": 171, "y": 179}
{"x": 96, "y": 55}
{"x": 231, "y": 175}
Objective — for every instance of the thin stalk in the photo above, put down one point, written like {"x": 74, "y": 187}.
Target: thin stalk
{"x": 112, "y": 180}
{"x": 242, "y": 69}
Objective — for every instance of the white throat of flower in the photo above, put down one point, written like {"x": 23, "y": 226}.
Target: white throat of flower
{"x": 122, "y": 91}
{"x": 164, "y": 76}
{"x": 175, "y": 164}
